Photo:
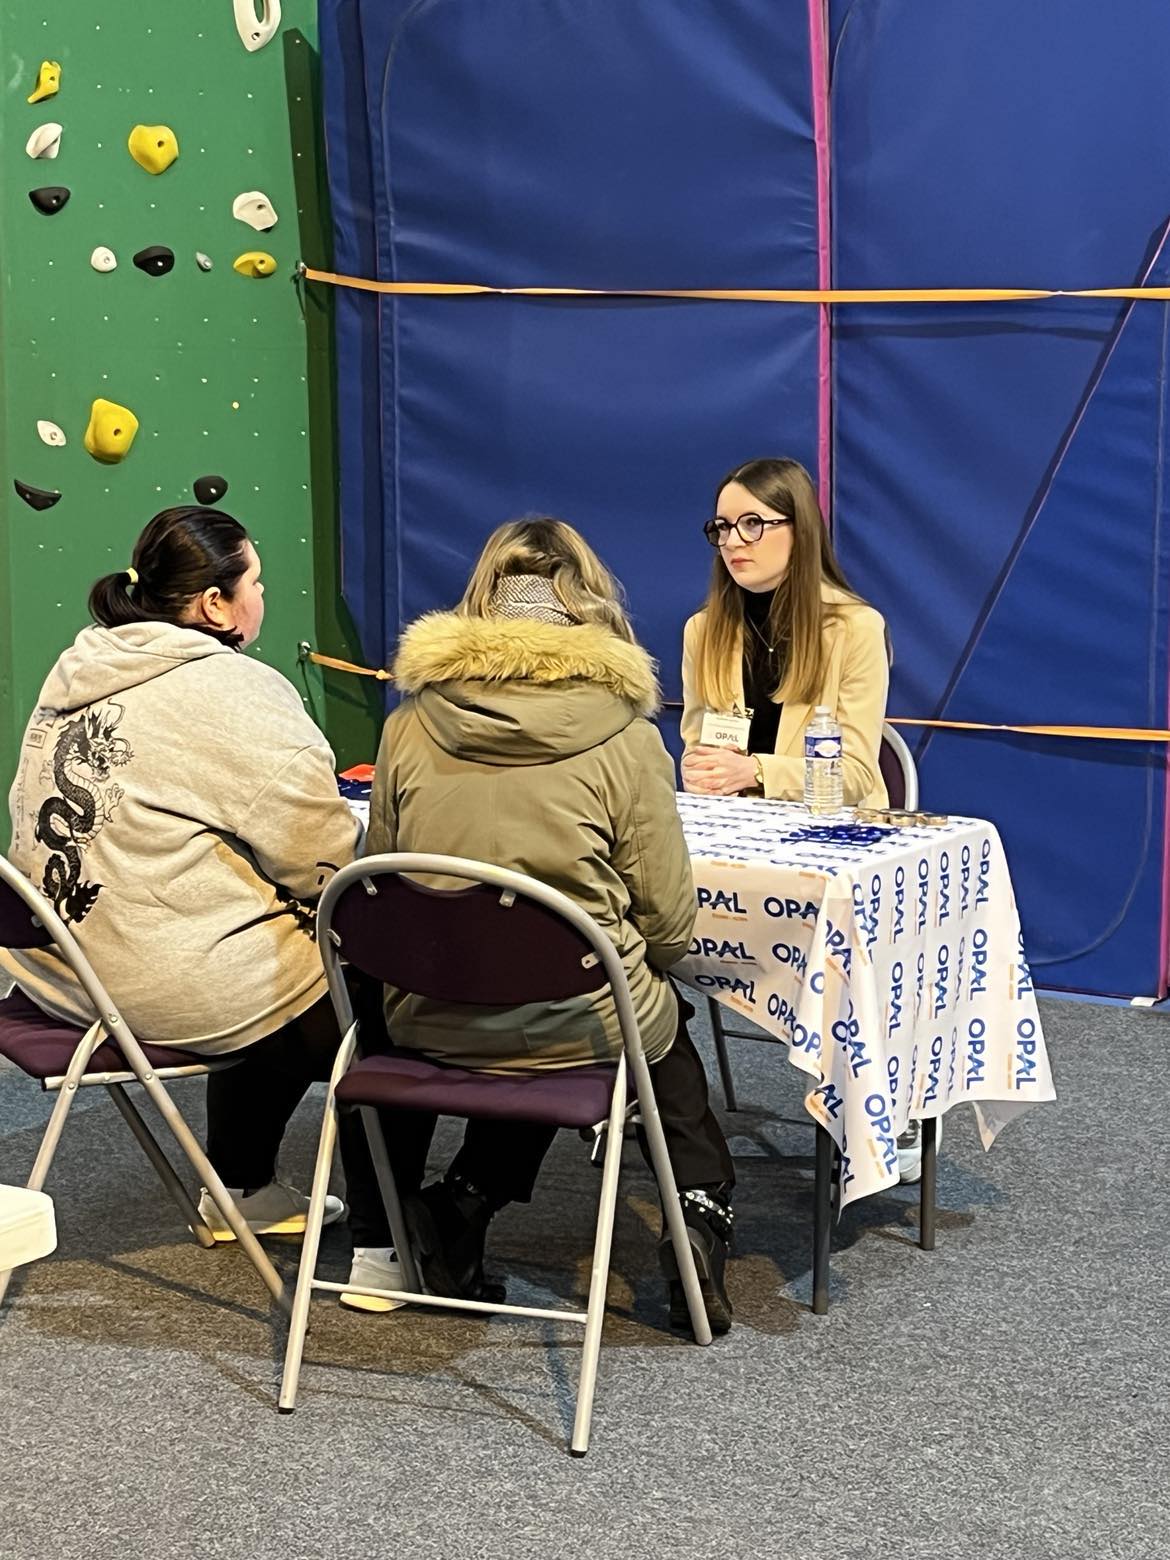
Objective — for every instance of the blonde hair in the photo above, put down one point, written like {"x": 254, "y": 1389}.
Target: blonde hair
{"x": 553, "y": 550}
{"x": 798, "y": 611}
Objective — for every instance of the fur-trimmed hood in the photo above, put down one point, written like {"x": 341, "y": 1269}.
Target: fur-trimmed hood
{"x": 517, "y": 691}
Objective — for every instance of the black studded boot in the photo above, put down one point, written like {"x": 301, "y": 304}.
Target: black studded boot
{"x": 448, "y": 1223}
{"x": 708, "y": 1216}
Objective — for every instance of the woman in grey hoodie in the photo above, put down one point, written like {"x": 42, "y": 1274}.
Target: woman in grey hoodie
{"x": 178, "y": 806}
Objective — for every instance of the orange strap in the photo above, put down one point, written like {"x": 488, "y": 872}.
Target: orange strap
{"x": 1100, "y": 733}
{"x": 347, "y": 666}
{"x": 815, "y": 295}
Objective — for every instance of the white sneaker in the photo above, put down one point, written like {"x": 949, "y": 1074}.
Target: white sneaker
{"x": 276, "y": 1209}
{"x": 910, "y": 1150}
{"x": 374, "y": 1267}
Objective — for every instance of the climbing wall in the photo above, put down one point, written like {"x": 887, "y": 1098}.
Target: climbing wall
{"x": 127, "y": 291}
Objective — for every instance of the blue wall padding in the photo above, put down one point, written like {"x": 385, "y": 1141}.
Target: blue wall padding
{"x": 997, "y": 468}
{"x": 982, "y": 146}
{"x": 545, "y": 142}
{"x": 363, "y": 540}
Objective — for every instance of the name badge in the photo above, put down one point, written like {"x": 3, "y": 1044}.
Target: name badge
{"x": 730, "y": 731}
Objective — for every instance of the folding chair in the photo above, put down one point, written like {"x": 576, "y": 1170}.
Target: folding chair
{"x": 898, "y": 768}
{"x": 64, "y": 1058}
{"x": 504, "y": 940}
{"x": 900, "y": 774}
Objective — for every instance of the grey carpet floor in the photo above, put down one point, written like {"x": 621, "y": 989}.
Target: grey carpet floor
{"x": 1003, "y": 1396}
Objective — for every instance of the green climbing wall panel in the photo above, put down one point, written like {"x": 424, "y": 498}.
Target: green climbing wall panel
{"x": 226, "y": 374}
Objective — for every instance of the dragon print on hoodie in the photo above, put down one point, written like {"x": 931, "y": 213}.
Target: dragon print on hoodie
{"x": 81, "y": 770}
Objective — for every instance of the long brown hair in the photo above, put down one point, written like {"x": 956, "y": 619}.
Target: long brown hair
{"x": 798, "y": 611}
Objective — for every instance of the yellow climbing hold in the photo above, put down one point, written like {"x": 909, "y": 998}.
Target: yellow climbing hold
{"x": 111, "y": 431}
{"x": 48, "y": 81}
{"x": 255, "y": 263}
{"x": 153, "y": 147}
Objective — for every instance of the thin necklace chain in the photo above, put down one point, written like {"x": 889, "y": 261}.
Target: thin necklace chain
{"x": 771, "y": 649}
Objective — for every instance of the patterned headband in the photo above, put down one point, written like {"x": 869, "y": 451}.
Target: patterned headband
{"x": 528, "y": 596}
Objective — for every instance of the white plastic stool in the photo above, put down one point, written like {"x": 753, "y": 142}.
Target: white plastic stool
{"x": 28, "y": 1229}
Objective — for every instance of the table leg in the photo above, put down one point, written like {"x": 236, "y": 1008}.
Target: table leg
{"x": 822, "y": 1220}
{"x": 929, "y": 1187}
{"x": 721, "y": 1056}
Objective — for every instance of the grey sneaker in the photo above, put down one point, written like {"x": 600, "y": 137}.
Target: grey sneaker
{"x": 276, "y": 1209}
{"x": 910, "y": 1150}
{"x": 374, "y": 1267}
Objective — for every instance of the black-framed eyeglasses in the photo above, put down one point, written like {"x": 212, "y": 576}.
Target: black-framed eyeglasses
{"x": 749, "y": 529}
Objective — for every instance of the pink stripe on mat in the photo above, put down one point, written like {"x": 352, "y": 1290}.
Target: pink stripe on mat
{"x": 819, "y": 66}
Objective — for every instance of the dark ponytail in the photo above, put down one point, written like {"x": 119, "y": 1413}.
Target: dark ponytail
{"x": 183, "y": 552}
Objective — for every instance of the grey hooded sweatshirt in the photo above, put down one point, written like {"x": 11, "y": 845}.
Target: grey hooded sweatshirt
{"x": 179, "y": 807}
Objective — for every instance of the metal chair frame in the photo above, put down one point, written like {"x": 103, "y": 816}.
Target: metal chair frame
{"x": 415, "y": 864}
{"x": 826, "y": 1150}
{"x": 896, "y": 742}
{"x": 47, "y": 927}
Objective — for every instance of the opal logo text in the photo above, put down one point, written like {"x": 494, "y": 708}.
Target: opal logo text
{"x": 883, "y": 1129}
{"x": 923, "y": 893}
{"x": 715, "y": 948}
{"x": 976, "y": 1051}
{"x": 731, "y": 984}
{"x": 800, "y": 1037}
{"x": 794, "y": 909}
{"x": 979, "y": 957}
{"x": 1027, "y": 1045}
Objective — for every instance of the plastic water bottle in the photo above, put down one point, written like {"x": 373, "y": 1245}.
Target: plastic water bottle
{"x": 822, "y": 762}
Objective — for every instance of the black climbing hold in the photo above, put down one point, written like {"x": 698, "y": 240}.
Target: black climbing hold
{"x": 35, "y": 498}
{"x": 209, "y": 490}
{"x": 49, "y": 198}
{"x": 155, "y": 261}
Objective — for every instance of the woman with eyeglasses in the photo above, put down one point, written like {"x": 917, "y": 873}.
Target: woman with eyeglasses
{"x": 781, "y": 632}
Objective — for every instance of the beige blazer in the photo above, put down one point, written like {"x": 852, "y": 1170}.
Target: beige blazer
{"x": 856, "y": 683}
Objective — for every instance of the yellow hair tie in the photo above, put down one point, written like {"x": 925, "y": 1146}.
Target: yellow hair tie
{"x": 133, "y": 575}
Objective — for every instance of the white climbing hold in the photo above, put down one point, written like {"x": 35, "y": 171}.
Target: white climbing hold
{"x": 45, "y": 141}
{"x": 202, "y": 261}
{"x": 103, "y": 259}
{"x": 256, "y": 30}
{"x": 254, "y": 208}
{"x": 50, "y": 433}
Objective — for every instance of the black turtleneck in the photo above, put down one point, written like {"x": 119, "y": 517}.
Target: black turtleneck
{"x": 762, "y": 670}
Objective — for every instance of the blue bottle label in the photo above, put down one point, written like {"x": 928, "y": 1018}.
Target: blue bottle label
{"x": 821, "y": 746}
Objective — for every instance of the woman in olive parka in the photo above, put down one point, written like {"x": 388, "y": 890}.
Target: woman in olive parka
{"x": 525, "y": 739}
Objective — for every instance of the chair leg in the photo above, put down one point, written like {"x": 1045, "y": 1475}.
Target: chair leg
{"x": 822, "y": 1205}
{"x": 56, "y": 1124}
{"x": 299, "y": 1320}
{"x": 668, "y": 1192}
{"x": 721, "y": 1056}
{"x": 390, "y": 1199}
{"x": 210, "y": 1178}
{"x": 162, "y": 1165}
{"x": 929, "y": 1188}
{"x": 599, "y": 1278}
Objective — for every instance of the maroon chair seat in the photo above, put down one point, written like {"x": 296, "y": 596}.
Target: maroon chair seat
{"x": 405, "y": 1080}
{"x": 43, "y": 1046}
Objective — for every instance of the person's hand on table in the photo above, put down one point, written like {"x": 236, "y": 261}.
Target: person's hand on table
{"x": 718, "y": 771}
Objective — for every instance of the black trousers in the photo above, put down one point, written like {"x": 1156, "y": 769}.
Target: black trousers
{"x": 503, "y": 1158}
{"x": 250, "y": 1105}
